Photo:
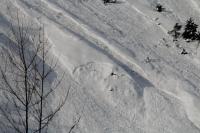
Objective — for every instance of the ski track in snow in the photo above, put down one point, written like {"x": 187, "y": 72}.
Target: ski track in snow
{"x": 183, "y": 97}
{"x": 95, "y": 35}
{"x": 106, "y": 44}
{"x": 101, "y": 42}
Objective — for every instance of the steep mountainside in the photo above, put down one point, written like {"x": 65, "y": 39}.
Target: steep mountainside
{"x": 126, "y": 73}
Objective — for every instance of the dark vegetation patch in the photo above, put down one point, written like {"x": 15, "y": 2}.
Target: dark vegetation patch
{"x": 190, "y": 32}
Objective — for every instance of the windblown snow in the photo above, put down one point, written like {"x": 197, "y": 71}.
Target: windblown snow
{"x": 126, "y": 73}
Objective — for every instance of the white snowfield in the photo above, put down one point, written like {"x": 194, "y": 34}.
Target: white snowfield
{"x": 126, "y": 73}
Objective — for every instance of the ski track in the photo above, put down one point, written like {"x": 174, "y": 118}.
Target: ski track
{"x": 112, "y": 50}
{"x": 93, "y": 34}
{"x": 184, "y": 97}
{"x": 102, "y": 43}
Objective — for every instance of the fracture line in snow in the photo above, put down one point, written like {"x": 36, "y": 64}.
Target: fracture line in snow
{"x": 90, "y": 32}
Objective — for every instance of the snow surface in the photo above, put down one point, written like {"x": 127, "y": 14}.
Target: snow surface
{"x": 126, "y": 73}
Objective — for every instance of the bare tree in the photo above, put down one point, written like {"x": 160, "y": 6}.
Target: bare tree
{"x": 28, "y": 79}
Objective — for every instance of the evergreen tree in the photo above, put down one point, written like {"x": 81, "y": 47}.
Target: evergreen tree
{"x": 190, "y": 30}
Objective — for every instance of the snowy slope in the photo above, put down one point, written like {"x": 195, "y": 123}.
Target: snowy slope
{"x": 104, "y": 50}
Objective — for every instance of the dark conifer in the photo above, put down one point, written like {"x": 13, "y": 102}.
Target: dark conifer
{"x": 190, "y": 31}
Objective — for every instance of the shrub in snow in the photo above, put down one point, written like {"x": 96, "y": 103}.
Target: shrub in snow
{"x": 159, "y": 8}
{"x": 184, "y": 52}
{"x": 198, "y": 36}
{"x": 176, "y": 31}
{"x": 177, "y": 27}
{"x": 109, "y": 1}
